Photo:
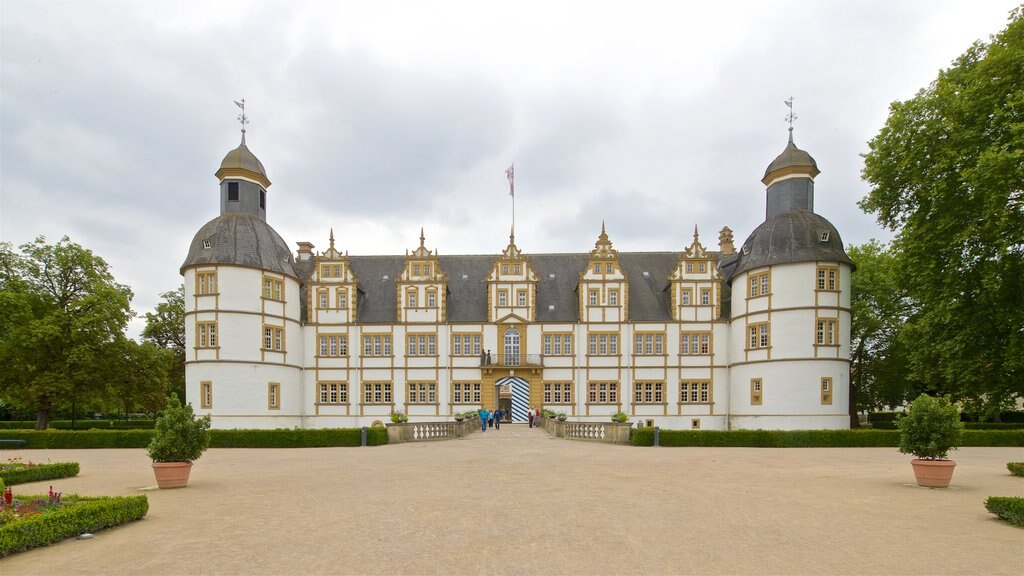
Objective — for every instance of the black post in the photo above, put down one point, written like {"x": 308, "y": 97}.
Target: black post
{"x": 362, "y": 436}
{"x": 657, "y": 437}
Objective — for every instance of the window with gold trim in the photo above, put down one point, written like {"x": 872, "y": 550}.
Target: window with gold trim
{"x": 649, "y": 343}
{"x": 558, "y": 393}
{"x": 685, "y": 296}
{"x": 206, "y": 282}
{"x": 826, "y": 390}
{"x": 321, "y": 298}
{"x": 431, "y": 298}
{"x": 759, "y": 284}
{"x": 828, "y": 278}
{"x": 758, "y": 335}
{"x": 422, "y": 393}
{"x": 520, "y": 297}
{"x": 421, "y": 345}
{"x": 206, "y": 334}
{"x": 273, "y": 338}
{"x": 377, "y": 345}
{"x": 466, "y": 344}
{"x": 603, "y": 393}
{"x": 502, "y": 297}
{"x": 206, "y": 394}
{"x": 273, "y": 288}
{"x": 557, "y": 344}
{"x": 343, "y": 298}
{"x": 648, "y": 392}
{"x": 466, "y": 393}
{"x": 332, "y": 345}
{"x": 695, "y": 392}
{"x": 377, "y": 393}
{"x": 826, "y": 332}
{"x": 613, "y": 296}
{"x": 273, "y": 396}
{"x": 705, "y": 296}
{"x": 756, "y": 391}
{"x": 593, "y": 296}
{"x": 333, "y": 393}
{"x": 604, "y": 344}
{"x": 695, "y": 343}
{"x": 410, "y": 298}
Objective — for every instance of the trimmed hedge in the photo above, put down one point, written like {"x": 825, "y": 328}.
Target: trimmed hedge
{"x": 1009, "y": 508}
{"x": 79, "y": 425}
{"x": 23, "y": 474}
{"x": 88, "y": 514}
{"x": 1016, "y": 468}
{"x": 809, "y": 438}
{"x": 281, "y": 438}
{"x": 887, "y": 420}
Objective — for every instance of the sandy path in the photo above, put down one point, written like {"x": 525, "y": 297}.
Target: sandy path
{"x": 517, "y": 501}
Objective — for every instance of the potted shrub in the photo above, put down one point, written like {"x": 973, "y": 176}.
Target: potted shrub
{"x": 179, "y": 438}
{"x": 620, "y": 417}
{"x": 399, "y": 417}
{"x": 562, "y": 417}
{"x": 929, "y": 429}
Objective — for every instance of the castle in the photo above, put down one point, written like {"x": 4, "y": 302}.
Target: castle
{"x": 754, "y": 338}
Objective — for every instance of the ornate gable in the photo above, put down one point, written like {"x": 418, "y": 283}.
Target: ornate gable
{"x": 512, "y": 286}
{"x": 422, "y": 286}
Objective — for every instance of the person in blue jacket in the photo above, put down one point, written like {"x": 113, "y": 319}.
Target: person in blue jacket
{"x": 484, "y": 414}
{"x": 497, "y": 419}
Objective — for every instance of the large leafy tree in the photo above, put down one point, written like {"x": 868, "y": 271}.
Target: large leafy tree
{"x": 165, "y": 328}
{"x": 62, "y": 314}
{"x": 947, "y": 174}
{"x": 139, "y": 376}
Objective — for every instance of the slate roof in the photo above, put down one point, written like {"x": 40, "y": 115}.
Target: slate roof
{"x": 649, "y": 298}
{"x": 793, "y": 236}
{"x": 242, "y": 239}
{"x": 790, "y": 157}
{"x": 243, "y": 158}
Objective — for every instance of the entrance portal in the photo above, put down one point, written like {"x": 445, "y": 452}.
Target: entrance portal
{"x": 520, "y": 397}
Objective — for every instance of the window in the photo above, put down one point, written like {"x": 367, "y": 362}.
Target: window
{"x": 608, "y": 268}
{"x": 426, "y": 269}
{"x": 557, "y": 344}
{"x": 520, "y": 297}
{"x": 232, "y": 191}
{"x": 604, "y": 344}
{"x": 206, "y": 282}
{"x": 695, "y": 343}
{"x": 694, "y": 392}
{"x": 756, "y": 392}
{"x": 649, "y": 343}
{"x": 321, "y": 298}
{"x": 466, "y": 345}
{"x": 273, "y": 396}
{"x": 377, "y": 393}
{"x": 689, "y": 266}
{"x": 502, "y": 297}
{"x": 431, "y": 298}
{"x": 333, "y": 393}
{"x": 649, "y": 393}
{"x": 705, "y": 296}
{"x": 421, "y": 345}
{"x": 603, "y": 393}
{"x": 597, "y": 268}
{"x": 758, "y": 335}
{"x": 466, "y": 393}
{"x": 410, "y": 298}
{"x": 416, "y": 270}
{"x": 702, "y": 267}
{"x": 613, "y": 297}
{"x": 558, "y": 393}
{"x": 206, "y": 394}
{"x": 273, "y": 338}
{"x": 206, "y": 334}
{"x": 273, "y": 288}
{"x": 828, "y": 278}
{"x": 343, "y": 298}
{"x": 827, "y": 332}
{"x": 685, "y": 296}
{"x": 695, "y": 423}
{"x": 826, "y": 390}
{"x": 760, "y": 284}
{"x": 332, "y": 346}
{"x": 516, "y": 269}
{"x": 592, "y": 296}
{"x": 422, "y": 393}
{"x": 377, "y": 345}
{"x": 504, "y": 268}
{"x": 263, "y": 199}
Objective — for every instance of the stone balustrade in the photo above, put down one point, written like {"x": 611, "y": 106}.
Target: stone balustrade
{"x": 428, "y": 431}
{"x": 610, "y": 432}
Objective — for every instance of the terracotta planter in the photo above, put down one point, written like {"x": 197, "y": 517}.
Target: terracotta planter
{"x": 933, "y": 473}
{"x": 171, "y": 474}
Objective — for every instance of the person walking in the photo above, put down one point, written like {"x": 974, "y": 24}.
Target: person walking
{"x": 529, "y": 416}
{"x": 483, "y": 419}
{"x": 497, "y": 419}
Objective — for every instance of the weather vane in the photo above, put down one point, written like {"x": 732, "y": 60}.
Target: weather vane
{"x": 789, "y": 117}
{"x": 242, "y": 118}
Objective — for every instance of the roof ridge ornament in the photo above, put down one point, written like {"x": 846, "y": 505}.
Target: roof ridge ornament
{"x": 791, "y": 117}
{"x": 242, "y": 118}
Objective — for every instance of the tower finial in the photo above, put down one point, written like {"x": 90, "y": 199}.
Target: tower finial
{"x": 242, "y": 118}
{"x": 332, "y": 238}
{"x": 696, "y": 235}
{"x": 790, "y": 117}
{"x": 422, "y": 237}
{"x": 512, "y": 236}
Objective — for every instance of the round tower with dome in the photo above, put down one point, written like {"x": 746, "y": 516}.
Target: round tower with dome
{"x": 789, "y": 345}
{"x": 243, "y": 341}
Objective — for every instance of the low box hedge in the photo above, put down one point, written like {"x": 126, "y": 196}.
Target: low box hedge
{"x": 86, "y": 514}
{"x": 809, "y": 438}
{"x": 79, "y": 424}
{"x": 37, "y": 472}
{"x": 1009, "y": 508}
{"x": 1015, "y": 468}
{"x": 281, "y": 438}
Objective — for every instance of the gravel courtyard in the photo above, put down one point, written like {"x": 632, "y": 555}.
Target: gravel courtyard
{"x": 517, "y": 501}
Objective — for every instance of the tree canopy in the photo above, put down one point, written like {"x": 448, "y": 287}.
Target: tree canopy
{"x": 165, "y": 328}
{"x": 947, "y": 175}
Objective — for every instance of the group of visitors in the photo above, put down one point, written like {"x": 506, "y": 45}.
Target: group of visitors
{"x": 533, "y": 416}
{"x": 489, "y": 419}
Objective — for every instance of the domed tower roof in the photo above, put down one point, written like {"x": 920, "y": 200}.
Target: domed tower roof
{"x": 242, "y": 163}
{"x": 794, "y": 236}
{"x": 792, "y": 161}
{"x": 243, "y": 240}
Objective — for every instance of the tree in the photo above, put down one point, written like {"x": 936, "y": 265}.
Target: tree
{"x": 62, "y": 312}
{"x": 139, "y": 376}
{"x": 879, "y": 309}
{"x": 165, "y": 328}
{"x": 947, "y": 174}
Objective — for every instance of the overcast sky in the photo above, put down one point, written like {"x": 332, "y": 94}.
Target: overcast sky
{"x": 378, "y": 118}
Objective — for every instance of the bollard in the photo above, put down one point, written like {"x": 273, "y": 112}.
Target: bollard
{"x": 362, "y": 436}
{"x": 657, "y": 437}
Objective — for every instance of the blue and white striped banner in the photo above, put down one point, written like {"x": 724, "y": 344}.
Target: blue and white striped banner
{"x": 520, "y": 397}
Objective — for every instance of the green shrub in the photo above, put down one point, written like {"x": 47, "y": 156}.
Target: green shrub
{"x": 281, "y": 438}
{"x": 87, "y": 514}
{"x": 37, "y": 472}
{"x": 79, "y": 425}
{"x": 877, "y": 417}
{"x": 179, "y": 436}
{"x": 620, "y": 417}
{"x": 399, "y": 417}
{"x": 930, "y": 428}
{"x": 1016, "y": 468}
{"x": 993, "y": 425}
{"x": 1012, "y": 416}
{"x": 80, "y": 438}
{"x": 1009, "y": 508}
{"x": 809, "y": 438}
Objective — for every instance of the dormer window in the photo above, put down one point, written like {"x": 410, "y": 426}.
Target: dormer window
{"x": 263, "y": 199}
{"x": 823, "y": 236}
{"x": 232, "y": 191}
{"x": 207, "y": 244}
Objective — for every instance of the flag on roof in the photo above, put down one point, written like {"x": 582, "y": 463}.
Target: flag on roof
{"x": 511, "y": 175}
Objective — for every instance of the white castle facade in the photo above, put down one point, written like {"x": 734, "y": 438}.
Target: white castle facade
{"x": 750, "y": 338}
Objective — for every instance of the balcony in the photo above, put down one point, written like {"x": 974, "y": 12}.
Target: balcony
{"x": 503, "y": 360}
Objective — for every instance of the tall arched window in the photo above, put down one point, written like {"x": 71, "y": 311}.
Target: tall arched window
{"x": 511, "y": 347}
